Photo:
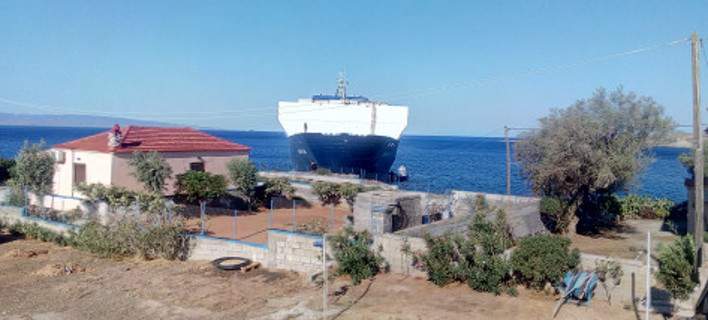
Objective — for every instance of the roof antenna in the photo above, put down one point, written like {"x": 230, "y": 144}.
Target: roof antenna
{"x": 342, "y": 86}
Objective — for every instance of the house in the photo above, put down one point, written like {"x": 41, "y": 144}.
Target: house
{"x": 104, "y": 158}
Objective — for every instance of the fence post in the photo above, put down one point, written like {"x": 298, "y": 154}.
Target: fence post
{"x": 294, "y": 224}
{"x": 202, "y": 208}
{"x": 270, "y": 214}
{"x": 331, "y": 217}
{"x": 235, "y": 218}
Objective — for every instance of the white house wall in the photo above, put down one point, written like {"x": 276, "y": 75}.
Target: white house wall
{"x": 98, "y": 170}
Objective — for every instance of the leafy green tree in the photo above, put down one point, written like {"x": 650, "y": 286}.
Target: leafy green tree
{"x": 151, "y": 170}
{"x": 543, "y": 258}
{"x": 591, "y": 148}
{"x": 5, "y": 169}
{"x": 349, "y": 191}
{"x": 197, "y": 186}
{"x": 279, "y": 187}
{"x": 352, "y": 250}
{"x": 34, "y": 169}
{"x": 328, "y": 192}
{"x": 243, "y": 175}
{"x": 676, "y": 272}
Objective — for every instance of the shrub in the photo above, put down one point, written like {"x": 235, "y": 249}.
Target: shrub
{"x": 198, "y": 186}
{"x": 243, "y": 175}
{"x": 354, "y": 256}
{"x": 34, "y": 231}
{"x": 445, "y": 262}
{"x": 676, "y": 272}
{"x": 477, "y": 259}
{"x": 279, "y": 187}
{"x": 327, "y": 192}
{"x": 151, "y": 170}
{"x": 119, "y": 198}
{"x": 644, "y": 207}
{"x": 15, "y": 196}
{"x": 543, "y": 258}
{"x": 349, "y": 191}
{"x": 132, "y": 236}
{"x": 34, "y": 168}
{"x": 5, "y": 169}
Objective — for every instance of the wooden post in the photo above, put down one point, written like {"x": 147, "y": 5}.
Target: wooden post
{"x": 698, "y": 152}
{"x": 508, "y": 160}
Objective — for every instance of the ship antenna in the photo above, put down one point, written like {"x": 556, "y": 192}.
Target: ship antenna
{"x": 342, "y": 86}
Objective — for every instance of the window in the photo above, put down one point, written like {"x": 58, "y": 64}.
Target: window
{"x": 196, "y": 166}
{"x": 79, "y": 173}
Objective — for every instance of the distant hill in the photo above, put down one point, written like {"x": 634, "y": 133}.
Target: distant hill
{"x": 71, "y": 120}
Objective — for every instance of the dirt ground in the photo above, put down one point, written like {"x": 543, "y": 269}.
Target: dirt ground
{"x": 252, "y": 226}
{"x": 43, "y": 281}
{"x": 628, "y": 242}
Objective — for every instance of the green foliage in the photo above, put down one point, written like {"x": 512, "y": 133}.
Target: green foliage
{"x": 349, "y": 192}
{"x": 354, "y": 256}
{"x": 34, "y": 168}
{"x": 243, "y": 175}
{"x": 15, "y": 196}
{"x": 198, "y": 186}
{"x": 5, "y": 169}
{"x": 676, "y": 272}
{"x": 34, "y": 231}
{"x": 279, "y": 187}
{"x": 131, "y": 236}
{"x": 553, "y": 210}
{"x": 327, "y": 192}
{"x": 151, "y": 170}
{"x": 595, "y": 146}
{"x": 543, "y": 258}
{"x": 121, "y": 198}
{"x": 644, "y": 207}
{"x": 686, "y": 160}
{"x": 477, "y": 259}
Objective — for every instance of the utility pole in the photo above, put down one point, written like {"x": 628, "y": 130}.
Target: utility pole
{"x": 508, "y": 160}
{"x": 698, "y": 153}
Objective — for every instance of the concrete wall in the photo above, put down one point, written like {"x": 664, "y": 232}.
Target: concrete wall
{"x": 11, "y": 215}
{"x": 214, "y": 162}
{"x": 391, "y": 246}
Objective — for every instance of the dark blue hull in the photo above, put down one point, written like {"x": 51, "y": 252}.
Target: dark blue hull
{"x": 367, "y": 156}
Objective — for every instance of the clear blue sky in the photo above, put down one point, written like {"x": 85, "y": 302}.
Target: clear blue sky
{"x": 168, "y": 60}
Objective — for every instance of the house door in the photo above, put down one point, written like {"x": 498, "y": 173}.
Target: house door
{"x": 79, "y": 173}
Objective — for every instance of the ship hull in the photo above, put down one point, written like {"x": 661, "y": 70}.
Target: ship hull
{"x": 369, "y": 156}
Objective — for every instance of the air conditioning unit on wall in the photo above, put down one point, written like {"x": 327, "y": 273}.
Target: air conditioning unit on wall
{"x": 59, "y": 156}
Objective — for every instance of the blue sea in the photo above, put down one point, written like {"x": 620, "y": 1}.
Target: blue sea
{"x": 435, "y": 163}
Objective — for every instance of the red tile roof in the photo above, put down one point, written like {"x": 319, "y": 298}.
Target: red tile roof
{"x": 155, "y": 139}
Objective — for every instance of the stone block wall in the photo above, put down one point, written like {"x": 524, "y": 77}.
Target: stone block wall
{"x": 294, "y": 251}
{"x": 210, "y": 248}
{"x": 390, "y": 248}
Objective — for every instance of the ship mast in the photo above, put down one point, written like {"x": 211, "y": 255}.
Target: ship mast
{"x": 342, "y": 86}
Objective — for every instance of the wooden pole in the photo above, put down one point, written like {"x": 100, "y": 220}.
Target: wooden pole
{"x": 698, "y": 147}
{"x": 508, "y": 160}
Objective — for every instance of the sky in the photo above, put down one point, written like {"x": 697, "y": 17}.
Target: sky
{"x": 463, "y": 67}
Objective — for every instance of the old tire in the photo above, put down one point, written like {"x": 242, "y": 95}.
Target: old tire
{"x": 231, "y": 263}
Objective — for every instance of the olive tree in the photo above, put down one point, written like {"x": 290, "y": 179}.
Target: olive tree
{"x": 197, "y": 186}
{"x": 34, "y": 169}
{"x": 243, "y": 175}
{"x": 151, "y": 170}
{"x": 591, "y": 149}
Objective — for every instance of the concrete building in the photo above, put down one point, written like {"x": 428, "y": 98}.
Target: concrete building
{"x": 104, "y": 158}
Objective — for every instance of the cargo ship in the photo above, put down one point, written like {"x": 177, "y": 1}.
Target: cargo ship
{"x": 342, "y": 133}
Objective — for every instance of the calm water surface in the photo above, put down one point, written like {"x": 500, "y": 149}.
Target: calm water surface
{"x": 435, "y": 163}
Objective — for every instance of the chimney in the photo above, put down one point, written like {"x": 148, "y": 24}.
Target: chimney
{"x": 114, "y": 137}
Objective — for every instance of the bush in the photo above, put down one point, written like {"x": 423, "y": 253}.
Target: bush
{"x": 34, "y": 168}
{"x": 477, "y": 259}
{"x": 243, "y": 175}
{"x": 131, "y": 236}
{"x": 198, "y": 186}
{"x": 445, "y": 262}
{"x": 34, "y": 231}
{"x": 543, "y": 258}
{"x": 676, "y": 272}
{"x": 354, "y": 255}
{"x": 119, "y": 198}
{"x": 279, "y": 187}
{"x": 15, "y": 196}
{"x": 5, "y": 169}
{"x": 635, "y": 206}
{"x": 348, "y": 191}
{"x": 327, "y": 192}
{"x": 151, "y": 170}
